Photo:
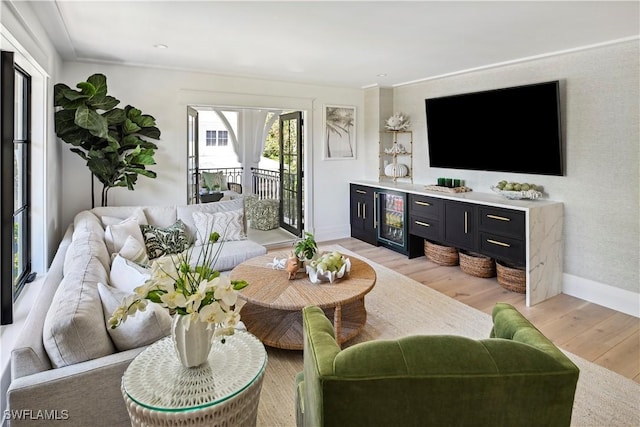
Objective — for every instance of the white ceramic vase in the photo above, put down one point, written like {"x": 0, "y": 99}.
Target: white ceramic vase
{"x": 193, "y": 345}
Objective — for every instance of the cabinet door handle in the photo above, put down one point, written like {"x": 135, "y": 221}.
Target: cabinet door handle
{"x": 466, "y": 225}
{"x": 499, "y": 218}
{"x": 364, "y": 211}
{"x": 424, "y": 224}
{"x": 358, "y": 209}
{"x": 423, "y": 203}
{"x": 495, "y": 242}
{"x": 361, "y": 191}
{"x": 375, "y": 209}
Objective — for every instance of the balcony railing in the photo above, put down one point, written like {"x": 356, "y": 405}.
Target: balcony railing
{"x": 265, "y": 183}
{"x": 232, "y": 174}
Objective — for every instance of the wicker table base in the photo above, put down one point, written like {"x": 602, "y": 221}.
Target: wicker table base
{"x": 274, "y": 303}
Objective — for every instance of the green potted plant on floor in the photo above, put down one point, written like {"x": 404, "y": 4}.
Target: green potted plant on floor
{"x": 113, "y": 141}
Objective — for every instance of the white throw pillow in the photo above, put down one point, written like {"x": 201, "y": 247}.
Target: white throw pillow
{"x": 143, "y": 328}
{"x": 138, "y": 214}
{"x": 116, "y": 235}
{"x": 127, "y": 275}
{"x": 132, "y": 250}
{"x": 228, "y": 224}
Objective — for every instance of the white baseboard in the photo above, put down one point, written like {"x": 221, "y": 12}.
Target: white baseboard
{"x": 332, "y": 233}
{"x": 598, "y": 293}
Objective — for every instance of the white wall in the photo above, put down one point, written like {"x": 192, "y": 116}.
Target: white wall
{"x": 166, "y": 94}
{"x": 600, "y": 189}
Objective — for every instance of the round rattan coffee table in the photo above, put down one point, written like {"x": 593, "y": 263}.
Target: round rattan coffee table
{"x": 273, "y": 312}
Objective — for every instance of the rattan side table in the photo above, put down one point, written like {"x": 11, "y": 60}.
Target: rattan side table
{"x": 158, "y": 390}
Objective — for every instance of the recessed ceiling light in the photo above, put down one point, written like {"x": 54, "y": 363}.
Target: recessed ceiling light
{"x": 161, "y": 46}
{"x": 382, "y": 75}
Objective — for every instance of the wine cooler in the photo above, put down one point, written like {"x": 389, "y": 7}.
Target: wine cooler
{"x": 392, "y": 220}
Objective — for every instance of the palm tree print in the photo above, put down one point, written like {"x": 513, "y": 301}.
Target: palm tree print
{"x": 339, "y": 123}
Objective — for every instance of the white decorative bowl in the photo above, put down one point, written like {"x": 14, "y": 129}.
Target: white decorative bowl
{"x": 317, "y": 275}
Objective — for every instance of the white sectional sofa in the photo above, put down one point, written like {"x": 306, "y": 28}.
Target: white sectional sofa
{"x": 67, "y": 364}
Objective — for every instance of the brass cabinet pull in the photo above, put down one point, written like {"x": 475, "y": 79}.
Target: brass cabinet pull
{"x": 424, "y": 224}
{"x": 423, "y": 203}
{"x": 364, "y": 211}
{"x": 361, "y": 191}
{"x": 495, "y": 242}
{"x": 358, "y": 209}
{"x": 375, "y": 209}
{"x": 500, "y": 218}
{"x": 466, "y": 227}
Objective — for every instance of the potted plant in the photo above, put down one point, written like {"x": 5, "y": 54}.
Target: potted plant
{"x": 306, "y": 248}
{"x": 111, "y": 140}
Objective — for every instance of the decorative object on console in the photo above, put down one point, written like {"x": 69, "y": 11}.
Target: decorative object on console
{"x": 329, "y": 267}
{"x": 396, "y": 171}
{"x": 516, "y": 190}
{"x": 442, "y": 189}
{"x": 398, "y": 121}
{"x": 114, "y": 143}
{"x": 199, "y": 296}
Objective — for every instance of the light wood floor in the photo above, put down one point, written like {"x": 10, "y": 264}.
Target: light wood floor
{"x": 606, "y": 337}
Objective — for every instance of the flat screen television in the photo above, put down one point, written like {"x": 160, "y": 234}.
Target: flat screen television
{"x": 515, "y": 129}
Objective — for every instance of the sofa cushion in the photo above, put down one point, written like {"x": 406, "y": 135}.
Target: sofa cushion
{"x": 134, "y": 251}
{"x": 227, "y": 224}
{"x": 232, "y": 254}
{"x": 85, "y": 221}
{"x": 126, "y": 275}
{"x": 86, "y": 244}
{"x": 143, "y": 328}
{"x": 162, "y": 216}
{"x": 163, "y": 241}
{"x": 185, "y": 213}
{"x": 116, "y": 235}
{"x": 74, "y": 329}
{"x": 137, "y": 214}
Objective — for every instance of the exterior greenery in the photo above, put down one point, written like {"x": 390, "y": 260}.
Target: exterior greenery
{"x": 111, "y": 140}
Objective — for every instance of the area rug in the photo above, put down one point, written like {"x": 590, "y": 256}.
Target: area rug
{"x": 399, "y": 306}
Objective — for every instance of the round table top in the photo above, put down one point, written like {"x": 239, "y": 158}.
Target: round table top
{"x": 272, "y": 288}
{"x": 157, "y": 380}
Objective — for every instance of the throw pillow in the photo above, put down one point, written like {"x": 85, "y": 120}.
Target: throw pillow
{"x": 211, "y": 179}
{"x": 116, "y": 235}
{"x": 126, "y": 275}
{"x": 144, "y": 328}
{"x": 133, "y": 250}
{"x": 112, "y": 220}
{"x": 162, "y": 241}
{"x": 228, "y": 224}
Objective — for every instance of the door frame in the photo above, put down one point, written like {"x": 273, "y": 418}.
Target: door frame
{"x": 295, "y": 115}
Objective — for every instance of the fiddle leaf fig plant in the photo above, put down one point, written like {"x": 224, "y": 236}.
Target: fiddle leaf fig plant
{"x": 113, "y": 141}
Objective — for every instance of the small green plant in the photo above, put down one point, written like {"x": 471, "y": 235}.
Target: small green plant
{"x": 307, "y": 247}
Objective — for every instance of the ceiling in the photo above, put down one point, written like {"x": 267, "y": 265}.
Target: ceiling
{"x": 354, "y": 44}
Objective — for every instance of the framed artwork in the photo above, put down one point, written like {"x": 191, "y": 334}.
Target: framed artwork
{"x": 339, "y": 132}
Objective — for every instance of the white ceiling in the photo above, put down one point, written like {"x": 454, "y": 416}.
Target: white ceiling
{"x": 335, "y": 43}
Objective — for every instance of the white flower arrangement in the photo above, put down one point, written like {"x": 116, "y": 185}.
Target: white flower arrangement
{"x": 398, "y": 122}
{"x": 199, "y": 292}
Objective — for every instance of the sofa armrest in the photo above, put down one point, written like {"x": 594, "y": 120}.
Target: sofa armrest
{"x": 67, "y": 392}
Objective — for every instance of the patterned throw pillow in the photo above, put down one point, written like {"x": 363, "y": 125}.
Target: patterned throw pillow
{"x": 211, "y": 179}
{"x": 161, "y": 241}
{"x": 228, "y": 224}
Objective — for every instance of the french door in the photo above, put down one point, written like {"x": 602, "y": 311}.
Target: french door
{"x": 193, "y": 173}
{"x": 15, "y": 254}
{"x": 291, "y": 173}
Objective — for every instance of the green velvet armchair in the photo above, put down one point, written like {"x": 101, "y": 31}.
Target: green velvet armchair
{"x": 517, "y": 377}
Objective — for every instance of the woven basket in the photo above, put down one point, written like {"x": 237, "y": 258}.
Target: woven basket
{"x": 477, "y": 265}
{"x": 443, "y": 255}
{"x": 511, "y": 278}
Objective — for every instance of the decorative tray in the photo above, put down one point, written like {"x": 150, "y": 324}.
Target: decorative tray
{"x": 517, "y": 195}
{"x": 443, "y": 189}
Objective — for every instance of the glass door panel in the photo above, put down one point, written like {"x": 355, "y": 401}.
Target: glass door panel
{"x": 392, "y": 218}
{"x": 291, "y": 172}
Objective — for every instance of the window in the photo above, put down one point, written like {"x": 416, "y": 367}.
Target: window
{"x": 14, "y": 178}
{"x": 217, "y": 138}
{"x": 211, "y": 138}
